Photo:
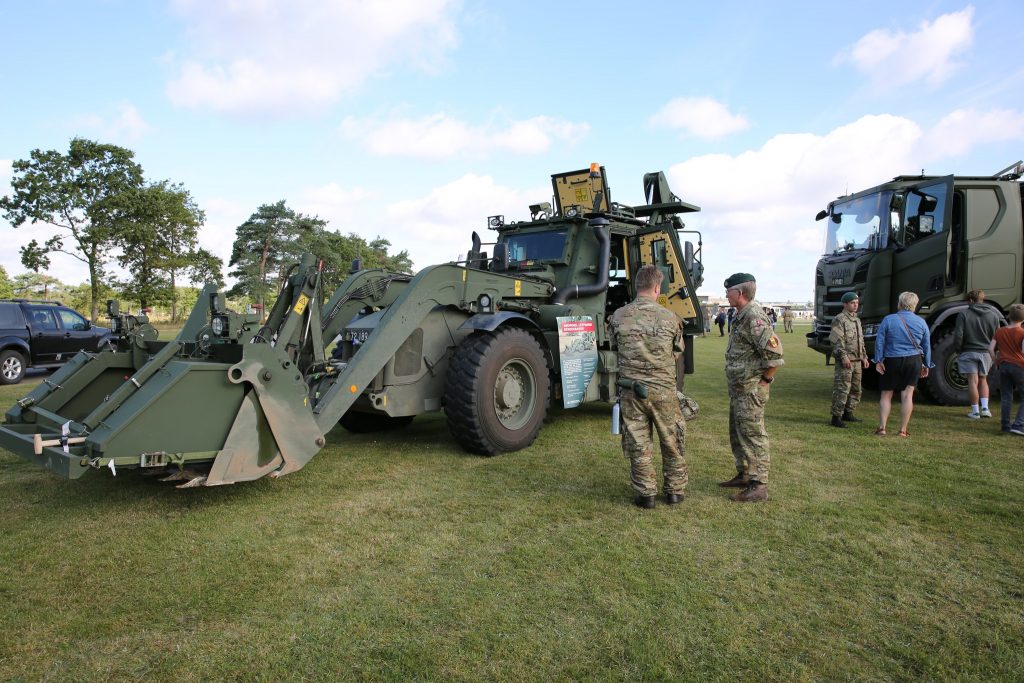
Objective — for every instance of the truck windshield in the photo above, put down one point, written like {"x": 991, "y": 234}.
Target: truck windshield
{"x": 536, "y": 246}
{"x": 861, "y": 223}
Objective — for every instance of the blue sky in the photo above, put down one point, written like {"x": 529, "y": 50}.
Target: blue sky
{"x": 416, "y": 119}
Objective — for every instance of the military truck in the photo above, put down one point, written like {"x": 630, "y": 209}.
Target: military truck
{"x": 937, "y": 236}
{"x": 493, "y": 340}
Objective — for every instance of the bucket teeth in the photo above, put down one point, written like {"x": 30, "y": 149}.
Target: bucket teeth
{"x": 190, "y": 477}
{"x": 199, "y": 480}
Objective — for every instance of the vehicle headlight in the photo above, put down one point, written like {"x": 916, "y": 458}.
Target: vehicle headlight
{"x": 218, "y": 325}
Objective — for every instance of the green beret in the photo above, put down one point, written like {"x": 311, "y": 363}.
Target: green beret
{"x": 738, "y": 279}
{"x": 850, "y": 296}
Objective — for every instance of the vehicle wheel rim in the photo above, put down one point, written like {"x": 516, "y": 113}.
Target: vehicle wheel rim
{"x": 953, "y": 376}
{"x": 11, "y": 368}
{"x": 514, "y": 390}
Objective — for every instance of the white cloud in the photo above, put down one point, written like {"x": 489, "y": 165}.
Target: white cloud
{"x": 436, "y": 228}
{"x": 700, "y": 117}
{"x": 123, "y": 125}
{"x": 894, "y": 58}
{"x": 963, "y": 129}
{"x": 758, "y": 207}
{"x": 289, "y": 55}
{"x": 440, "y": 136}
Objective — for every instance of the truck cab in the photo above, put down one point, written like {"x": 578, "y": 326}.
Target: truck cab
{"x": 937, "y": 236}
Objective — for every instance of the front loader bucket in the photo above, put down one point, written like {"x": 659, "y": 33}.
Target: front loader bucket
{"x": 233, "y": 421}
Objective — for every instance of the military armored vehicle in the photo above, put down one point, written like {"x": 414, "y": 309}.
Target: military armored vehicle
{"x": 493, "y": 340}
{"x": 937, "y": 236}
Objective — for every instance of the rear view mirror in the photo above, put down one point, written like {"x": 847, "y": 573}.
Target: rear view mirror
{"x": 821, "y": 214}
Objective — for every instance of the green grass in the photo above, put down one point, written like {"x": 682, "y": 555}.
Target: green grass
{"x": 399, "y": 557}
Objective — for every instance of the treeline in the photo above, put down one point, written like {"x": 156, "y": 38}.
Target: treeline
{"x": 104, "y": 211}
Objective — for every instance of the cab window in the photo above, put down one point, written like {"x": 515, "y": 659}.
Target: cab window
{"x": 925, "y": 211}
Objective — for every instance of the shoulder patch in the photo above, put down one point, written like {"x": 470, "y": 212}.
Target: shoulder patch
{"x": 774, "y": 342}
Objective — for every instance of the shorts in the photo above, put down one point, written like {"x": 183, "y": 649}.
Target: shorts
{"x": 974, "y": 363}
{"x": 900, "y": 372}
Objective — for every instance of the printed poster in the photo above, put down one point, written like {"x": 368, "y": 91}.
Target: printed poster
{"x": 577, "y": 346}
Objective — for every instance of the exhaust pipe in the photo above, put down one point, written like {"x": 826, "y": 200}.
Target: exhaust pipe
{"x": 575, "y": 291}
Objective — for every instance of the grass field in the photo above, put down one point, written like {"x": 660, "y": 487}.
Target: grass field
{"x": 399, "y": 557}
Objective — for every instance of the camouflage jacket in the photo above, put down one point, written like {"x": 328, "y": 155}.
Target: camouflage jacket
{"x": 753, "y": 346}
{"x": 847, "y": 337}
{"x": 648, "y": 335}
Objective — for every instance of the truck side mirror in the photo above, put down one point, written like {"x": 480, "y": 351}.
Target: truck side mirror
{"x": 928, "y": 204}
{"x": 500, "y": 262}
{"x": 688, "y": 256}
{"x": 821, "y": 214}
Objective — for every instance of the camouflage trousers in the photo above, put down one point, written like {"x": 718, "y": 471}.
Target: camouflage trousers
{"x": 846, "y": 387}
{"x": 747, "y": 434}
{"x": 640, "y": 418}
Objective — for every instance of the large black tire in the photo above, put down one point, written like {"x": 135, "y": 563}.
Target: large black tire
{"x": 944, "y": 384}
{"x": 496, "y": 395}
{"x": 12, "y": 366}
{"x": 367, "y": 423}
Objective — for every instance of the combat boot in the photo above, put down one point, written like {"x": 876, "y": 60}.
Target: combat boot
{"x": 837, "y": 421}
{"x": 644, "y": 502}
{"x": 849, "y": 417}
{"x": 673, "y": 498}
{"x": 754, "y": 493}
{"x": 740, "y": 481}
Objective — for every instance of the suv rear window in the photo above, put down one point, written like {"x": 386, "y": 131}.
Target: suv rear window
{"x": 10, "y": 316}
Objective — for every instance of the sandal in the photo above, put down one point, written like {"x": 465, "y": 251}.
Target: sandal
{"x": 880, "y": 431}
{"x": 904, "y": 434}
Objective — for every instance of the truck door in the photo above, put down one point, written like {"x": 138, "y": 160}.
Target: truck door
{"x": 659, "y": 246}
{"x": 921, "y": 234}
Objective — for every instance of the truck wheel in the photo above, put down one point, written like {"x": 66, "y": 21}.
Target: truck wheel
{"x": 12, "y": 367}
{"x": 367, "y": 423}
{"x": 496, "y": 395}
{"x": 944, "y": 384}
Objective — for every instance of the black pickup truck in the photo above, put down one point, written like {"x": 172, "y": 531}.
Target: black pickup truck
{"x": 42, "y": 334}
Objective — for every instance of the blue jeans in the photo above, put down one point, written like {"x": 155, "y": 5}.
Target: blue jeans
{"x": 1011, "y": 380}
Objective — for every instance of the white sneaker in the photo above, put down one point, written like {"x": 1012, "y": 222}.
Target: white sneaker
{"x": 1018, "y": 432}
{"x": 974, "y": 415}
{"x": 985, "y": 412}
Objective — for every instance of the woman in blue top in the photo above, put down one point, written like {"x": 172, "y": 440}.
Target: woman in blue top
{"x": 903, "y": 353}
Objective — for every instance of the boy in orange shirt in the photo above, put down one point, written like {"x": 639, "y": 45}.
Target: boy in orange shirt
{"x": 1007, "y": 348}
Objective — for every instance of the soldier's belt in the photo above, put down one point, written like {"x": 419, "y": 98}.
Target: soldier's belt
{"x": 635, "y": 386}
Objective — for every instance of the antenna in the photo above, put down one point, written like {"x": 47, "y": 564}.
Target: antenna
{"x": 1011, "y": 172}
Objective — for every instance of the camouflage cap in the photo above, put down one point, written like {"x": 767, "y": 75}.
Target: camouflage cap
{"x": 850, "y": 296}
{"x": 738, "y": 279}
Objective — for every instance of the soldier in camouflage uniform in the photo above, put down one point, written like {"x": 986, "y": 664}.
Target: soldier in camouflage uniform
{"x": 847, "y": 338}
{"x": 648, "y": 336}
{"x": 752, "y": 358}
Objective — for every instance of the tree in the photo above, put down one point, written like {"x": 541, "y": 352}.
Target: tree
{"x": 264, "y": 247}
{"x": 72, "y": 192}
{"x": 157, "y": 228}
{"x": 205, "y": 267}
{"x": 6, "y": 286}
{"x": 37, "y": 286}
